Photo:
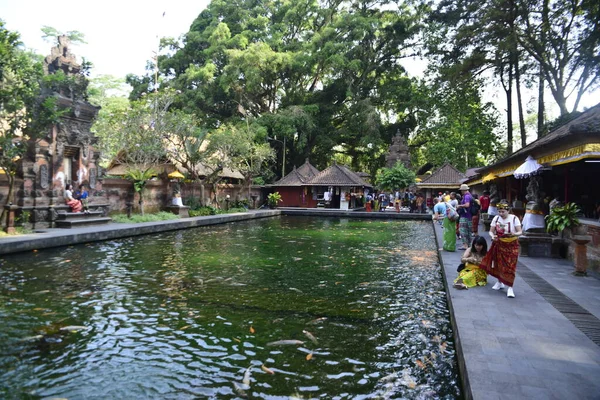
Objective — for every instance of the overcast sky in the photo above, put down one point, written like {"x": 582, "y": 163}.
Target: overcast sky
{"x": 121, "y": 35}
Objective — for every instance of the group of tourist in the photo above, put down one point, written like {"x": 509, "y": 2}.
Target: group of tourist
{"x": 415, "y": 202}
{"x": 477, "y": 262}
{"x": 78, "y": 201}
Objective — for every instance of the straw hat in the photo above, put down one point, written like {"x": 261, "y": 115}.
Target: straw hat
{"x": 464, "y": 186}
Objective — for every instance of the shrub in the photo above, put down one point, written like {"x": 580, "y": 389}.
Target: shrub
{"x": 137, "y": 218}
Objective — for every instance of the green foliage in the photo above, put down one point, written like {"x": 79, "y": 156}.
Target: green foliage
{"x": 274, "y": 198}
{"x": 51, "y": 34}
{"x": 397, "y": 177}
{"x": 204, "y": 211}
{"x": 562, "y": 218}
{"x": 139, "y": 177}
{"x": 161, "y": 216}
{"x": 326, "y": 76}
{"x": 455, "y": 126}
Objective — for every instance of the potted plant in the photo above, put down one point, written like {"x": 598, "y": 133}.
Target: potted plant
{"x": 563, "y": 219}
{"x": 273, "y": 199}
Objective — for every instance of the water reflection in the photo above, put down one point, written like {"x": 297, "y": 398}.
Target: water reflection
{"x": 356, "y": 309}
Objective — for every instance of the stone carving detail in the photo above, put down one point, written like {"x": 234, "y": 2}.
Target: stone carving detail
{"x": 44, "y": 176}
{"x": 93, "y": 178}
{"x": 61, "y": 58}
{"x": 534, "y": 193}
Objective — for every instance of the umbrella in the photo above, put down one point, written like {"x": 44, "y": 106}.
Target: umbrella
{"x": 528, "y": 168}
{"x": 176, "y": 175}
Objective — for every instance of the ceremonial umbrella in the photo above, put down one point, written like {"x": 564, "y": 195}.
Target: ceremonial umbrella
{"x": 176, "y": 175}
{"x": 528, "y": 168}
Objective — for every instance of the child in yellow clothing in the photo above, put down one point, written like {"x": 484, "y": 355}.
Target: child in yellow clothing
{"x": 472, "y": 275}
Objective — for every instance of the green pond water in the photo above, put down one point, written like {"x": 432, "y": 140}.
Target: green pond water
{"x": 193, "y": 314}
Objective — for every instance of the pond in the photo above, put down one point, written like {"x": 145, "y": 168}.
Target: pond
{"x": 288, "y": 307}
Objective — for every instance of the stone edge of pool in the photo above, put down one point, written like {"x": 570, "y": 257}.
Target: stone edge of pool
{"x": 462, "y": 368}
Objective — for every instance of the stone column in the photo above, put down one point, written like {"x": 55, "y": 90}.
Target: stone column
{"x": 580, "y": 256}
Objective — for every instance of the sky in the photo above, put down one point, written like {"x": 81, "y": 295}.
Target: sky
{"x": 121, "y": 35}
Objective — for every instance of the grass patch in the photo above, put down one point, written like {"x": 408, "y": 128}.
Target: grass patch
{"x": 136, "y": 218}
{"x": 209, "y": 210}
{"x": 19, "y": 230}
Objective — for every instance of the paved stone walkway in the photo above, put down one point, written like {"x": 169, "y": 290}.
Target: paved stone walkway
{"x": 525, "y": 348}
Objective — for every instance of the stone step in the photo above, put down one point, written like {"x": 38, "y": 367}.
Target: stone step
{"x": 79, "y": 215}
{"x": 77, "y": 223}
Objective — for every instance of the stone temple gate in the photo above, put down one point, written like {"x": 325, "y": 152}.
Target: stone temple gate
{"x": 66, "y": 153}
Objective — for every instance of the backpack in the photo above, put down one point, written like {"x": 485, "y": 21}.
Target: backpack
{"x": 451, "y": 213}
{"x": 474, "y": 207}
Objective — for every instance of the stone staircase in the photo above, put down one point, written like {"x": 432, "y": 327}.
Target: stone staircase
{"x": 77, "y": 220}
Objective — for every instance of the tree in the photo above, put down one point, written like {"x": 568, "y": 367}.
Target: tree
{"x": 50, "y": 34}
{"x": 567, "y": 48}
{"x": 237, "y": 148}
{"x": 397, "y": 177}
{"x": 137, "y": 140}
{"x": 454, "y": 125}
{"x": 326, "y": 71}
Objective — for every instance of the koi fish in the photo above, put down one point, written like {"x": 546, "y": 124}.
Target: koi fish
{"x": 239, "y": 390}
{"x": 317, "y": 321}
{"x": 310, "y": 336}
{"x": 72, "y": 328}
{"x": 309, "y": 356}
{"x": 246, "y": 380}
{"x": 267, "y": 370}
{"x": 252, "y": 329}
{"x": 286, "y": 343}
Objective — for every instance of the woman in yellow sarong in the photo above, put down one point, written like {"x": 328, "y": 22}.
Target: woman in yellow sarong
{"x": 472, "y": 275}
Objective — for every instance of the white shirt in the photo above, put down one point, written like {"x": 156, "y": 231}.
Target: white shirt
{"x": 509, "y": 223}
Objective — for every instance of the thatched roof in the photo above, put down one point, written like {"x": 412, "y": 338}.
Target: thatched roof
{"x": 447, "y": 176}
{"x": 338, "y": 175}
{"x": 298, "y": 177}
{"x": 121, "y": 169}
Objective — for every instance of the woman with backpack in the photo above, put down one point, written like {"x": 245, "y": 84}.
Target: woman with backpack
{"x": 501, "y": 259}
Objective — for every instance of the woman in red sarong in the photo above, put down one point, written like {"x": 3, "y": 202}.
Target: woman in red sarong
{"x": 501, "y": 259}
{"x": 70, "y": 200}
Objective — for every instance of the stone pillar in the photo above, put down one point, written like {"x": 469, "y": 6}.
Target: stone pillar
{"x": 10, "y": 218}
{"x": 580, "y": 255}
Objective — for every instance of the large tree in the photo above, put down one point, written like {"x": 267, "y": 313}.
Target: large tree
{"x": 330, "y": 69}
{"x": 454, "y": 125}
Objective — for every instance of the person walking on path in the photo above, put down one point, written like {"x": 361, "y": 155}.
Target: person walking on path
{"x": 501, "y": 259}
{"x": 465, "y": 223}
{"x": 448, "y": 225}
{"x": 484, "y": 200}
{"x": 476, "y": 214}
{"x": 470, "y": 275}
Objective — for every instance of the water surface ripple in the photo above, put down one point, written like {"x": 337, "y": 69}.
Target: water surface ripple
{"x": 288, "y": 307}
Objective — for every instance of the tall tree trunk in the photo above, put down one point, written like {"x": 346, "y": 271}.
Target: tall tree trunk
{"x": 515, "y": 55}
{"x": 520, "y": 103}
{"x": 541, "y": 129}
{"x": 541, "y": 107}
{"x": 9, "y": 196}
{"x": 509, "y": 126}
